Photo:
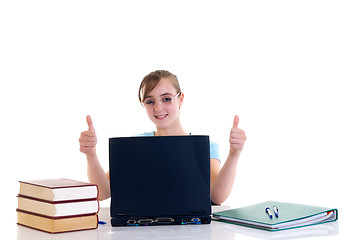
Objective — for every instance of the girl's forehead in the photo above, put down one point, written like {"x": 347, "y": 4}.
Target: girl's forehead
{"x": 163, "y": 87}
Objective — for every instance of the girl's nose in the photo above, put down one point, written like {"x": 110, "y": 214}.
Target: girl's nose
{"x": 158, "y": 106}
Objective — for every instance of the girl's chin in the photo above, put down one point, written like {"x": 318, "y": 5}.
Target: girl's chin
{"x": 161, "y": 123}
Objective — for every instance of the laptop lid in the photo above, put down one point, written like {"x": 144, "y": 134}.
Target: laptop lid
{"x": 160, "y": 178}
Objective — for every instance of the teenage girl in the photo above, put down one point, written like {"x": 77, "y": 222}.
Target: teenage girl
{"x": 161, "y": 96}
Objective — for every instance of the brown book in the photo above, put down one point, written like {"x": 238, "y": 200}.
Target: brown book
{"x": 59, "y": 208}
{"x": 57, "y": 224}
{"x": 58, "y": 189}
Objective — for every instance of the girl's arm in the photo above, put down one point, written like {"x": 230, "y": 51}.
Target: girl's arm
{"x": 97, "y": 175}
{"x": 222, "y": 180}
{"x": 95, "y": 172}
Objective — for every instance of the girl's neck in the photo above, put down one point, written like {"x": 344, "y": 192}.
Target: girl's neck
{"x": 170, "y": 131}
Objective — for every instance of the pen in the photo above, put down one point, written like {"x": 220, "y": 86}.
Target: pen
{"x": 275, "y": 209}
{"x": 101, "y": 222}
{"x": 268, "y": 212}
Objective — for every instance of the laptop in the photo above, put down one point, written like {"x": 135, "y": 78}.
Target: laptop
{"x": 162, "y": 180}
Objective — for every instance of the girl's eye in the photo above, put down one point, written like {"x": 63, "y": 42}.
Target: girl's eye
{"x": 167, "y": 99}
{"x": 149, "y": 102}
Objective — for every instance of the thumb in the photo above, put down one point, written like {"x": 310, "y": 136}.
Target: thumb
{"x": 235, "y": 121}
{"x": 89, "y": 123}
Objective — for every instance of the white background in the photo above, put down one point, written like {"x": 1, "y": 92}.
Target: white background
{"x": 287, "y": 68}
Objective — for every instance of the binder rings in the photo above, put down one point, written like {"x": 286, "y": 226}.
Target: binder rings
{"x": 290, "y": 215}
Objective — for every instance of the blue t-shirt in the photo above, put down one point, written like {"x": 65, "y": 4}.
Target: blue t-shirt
{"x": 213, "y": 149}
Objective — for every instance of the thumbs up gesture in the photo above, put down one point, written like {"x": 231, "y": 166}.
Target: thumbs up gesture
{"x": 88, "y": 139}
{"x": 237, "y": 137}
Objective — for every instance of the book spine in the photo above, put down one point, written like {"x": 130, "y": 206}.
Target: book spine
{"x": 74, "y": 185}
{"x": 77, "y": 230}
{"x": 54, "y": 218}
{"x": 57, "y": 202}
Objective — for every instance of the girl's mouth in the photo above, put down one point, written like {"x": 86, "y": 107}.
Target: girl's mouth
{"x": 161, "y": 116}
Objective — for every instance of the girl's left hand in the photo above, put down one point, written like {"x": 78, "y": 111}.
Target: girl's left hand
{"x": 237, "y": 137}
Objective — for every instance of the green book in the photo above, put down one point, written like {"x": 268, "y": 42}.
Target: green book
{"x": 289, "y": 215}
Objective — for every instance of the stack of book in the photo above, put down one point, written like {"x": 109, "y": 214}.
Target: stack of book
{"x": 58, "y": 205}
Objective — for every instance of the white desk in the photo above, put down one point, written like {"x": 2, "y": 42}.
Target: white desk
{"x": 215, "y": 230}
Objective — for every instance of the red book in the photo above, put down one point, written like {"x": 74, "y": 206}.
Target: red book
{"x": 57, "y": 224}
{"x": 55, "y": 190}
{"x": 59, "y": 208}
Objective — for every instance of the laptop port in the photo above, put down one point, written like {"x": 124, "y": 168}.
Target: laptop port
{"x": 164, "y": 220}
{"x": 145, "y": 221}
{"x": 195, "y": 220}
{"x": 131, "y": 221}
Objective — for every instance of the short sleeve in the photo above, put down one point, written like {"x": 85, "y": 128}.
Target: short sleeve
{"x": 214, "y": 151}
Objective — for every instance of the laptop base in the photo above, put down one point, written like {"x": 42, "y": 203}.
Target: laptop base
{"x": 157, "y": 221}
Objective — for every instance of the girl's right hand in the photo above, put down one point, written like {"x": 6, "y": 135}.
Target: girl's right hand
{"x": 88, "y": 139}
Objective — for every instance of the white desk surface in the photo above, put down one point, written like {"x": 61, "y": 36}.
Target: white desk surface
{"x": 215, "y": 230}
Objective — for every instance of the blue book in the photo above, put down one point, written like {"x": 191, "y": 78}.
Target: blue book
{"x": 287, "y": 216}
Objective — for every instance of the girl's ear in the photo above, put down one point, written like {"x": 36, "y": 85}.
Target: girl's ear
{"x": 181, "y": 96}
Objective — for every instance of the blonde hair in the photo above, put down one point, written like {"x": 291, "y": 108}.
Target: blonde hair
{"x": 150, "y": 81}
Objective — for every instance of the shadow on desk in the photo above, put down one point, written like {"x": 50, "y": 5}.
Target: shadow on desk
{"x": 215, "y": 230}
{"x": 326, "y": 229}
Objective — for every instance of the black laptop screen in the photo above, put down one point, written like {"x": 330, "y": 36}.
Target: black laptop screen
{"x": 160, "y": 176}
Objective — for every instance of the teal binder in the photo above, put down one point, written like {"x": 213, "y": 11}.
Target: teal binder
{"x": 290, "y": 215}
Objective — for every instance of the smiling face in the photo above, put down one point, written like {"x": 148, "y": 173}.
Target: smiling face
{"x": 162, "y": 105}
